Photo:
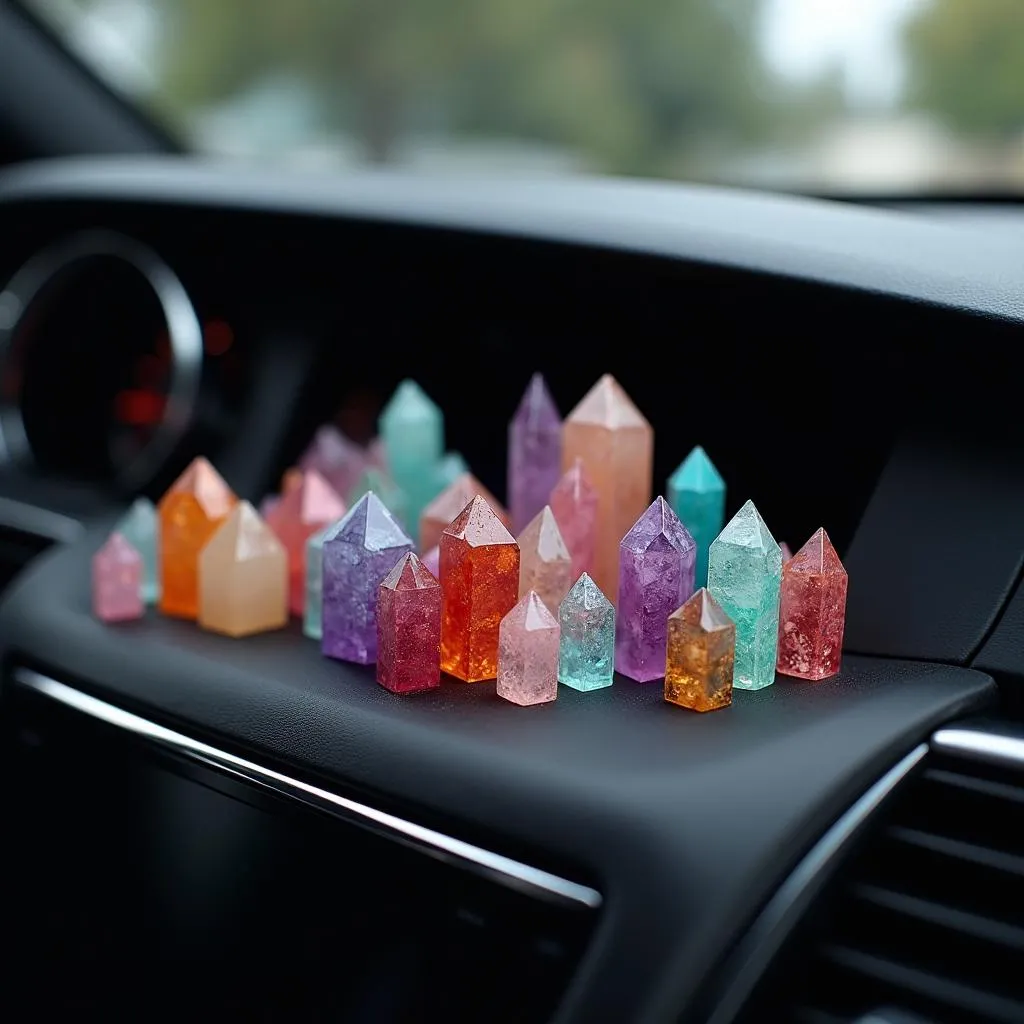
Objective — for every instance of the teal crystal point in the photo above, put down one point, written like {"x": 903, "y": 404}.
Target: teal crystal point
{"x": 744, "y": 577}
{"x": 139, "y": 527}
{"x": 313, "y": 615}
{"x": 413, "y": 431}
{"x": 586, "y": 651}
{"x": 696, "y": 493}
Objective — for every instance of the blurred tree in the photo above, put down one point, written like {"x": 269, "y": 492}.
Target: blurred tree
{"x": 636, "y": 86}
{"x": 965, "y": 65}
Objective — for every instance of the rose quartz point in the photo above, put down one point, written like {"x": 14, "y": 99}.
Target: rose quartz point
{"x": 117, "y": 581}
{"x": 528, "y": 653}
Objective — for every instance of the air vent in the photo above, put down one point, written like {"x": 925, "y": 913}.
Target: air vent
{"x": 926, "y": 919}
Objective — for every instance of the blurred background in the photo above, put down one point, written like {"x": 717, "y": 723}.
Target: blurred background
{"x": 878, "y": 97}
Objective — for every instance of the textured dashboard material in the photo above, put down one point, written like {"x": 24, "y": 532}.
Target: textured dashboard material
{"x": 880, "y": 251}
{"x": 684, "y": 822}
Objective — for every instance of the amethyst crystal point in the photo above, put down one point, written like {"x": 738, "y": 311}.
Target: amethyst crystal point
{"x": 358, "y": 554}
{"x": 657, "y": 559}
{"x": 534, "y": 453}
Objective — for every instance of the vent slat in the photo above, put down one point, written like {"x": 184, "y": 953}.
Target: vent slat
{"x": 959, "y": 849}
{"x": 927, "y": 985}
{"x": 931, "y": 912}
{"x": 986, "y": 787}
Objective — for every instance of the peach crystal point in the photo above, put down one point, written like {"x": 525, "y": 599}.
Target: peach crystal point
{"x": 545, "y": 565}
{"x": 190, "y": 512}
{"x": 449, "y": 503}
{"x": 243, "y": 577}
{"x": 616, "y": 445}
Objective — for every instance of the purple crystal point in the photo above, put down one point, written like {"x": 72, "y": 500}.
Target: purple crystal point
{"x": 534, "y": 453}
{"x": 337, "y": 459}
{"x": 657, "y": 559}
{"x": 358, "y": 554}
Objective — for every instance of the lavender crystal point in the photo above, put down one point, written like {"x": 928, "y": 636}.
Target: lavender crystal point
{"x": 534, "y": 453}
{"x": 358, "y": 554}
{"x": 657, "y": 560}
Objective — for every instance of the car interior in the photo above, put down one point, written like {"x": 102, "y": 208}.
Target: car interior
{"x": 203, "y": 827}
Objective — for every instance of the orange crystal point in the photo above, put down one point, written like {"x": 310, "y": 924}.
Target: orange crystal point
{"x": 479, "y": 571}
{"x": 700, "y": 655}
{"x": 615, "y": 443}
{"x": 449, "y": 503}
{"x": 243, "y": 577}
{"x": 191, "y": 510}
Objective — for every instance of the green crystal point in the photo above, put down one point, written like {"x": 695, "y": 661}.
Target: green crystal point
{"x": 696, "y": 493}
{"x": 586, "y": 651}
{"x": 744, "y": 576}
{"x": 412, "y": 427}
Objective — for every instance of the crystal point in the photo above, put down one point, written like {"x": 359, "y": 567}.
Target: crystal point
{"x": 812, "y": 611}
{"x": 544, "y": 562}
{"x": 117, "y": 580}
{"x": 586, "y": 652}
{"x": 243, "y": 577}
{"x": 701, "y": 652}
{"x": 306, "y": 508}
{"x": 140, "y": 527}
{"x": 534, "y": 453}
{"x": 696, "y": 492}
{"x": 574, "y": 503}
{"x": 337, "y": 459}
{"x": 358, "y": 554}
{"x": 313, "y": 611}
{"x": 190, "y": 512}
{"x": 615, "y": 443}
{"x": 528, "y": 653}
{"x": 480, "y": 584}
{"x": 744, "y": 575}
{"x": 409, "y": 628}
{"x": 413, "y": 431}
{"x": 657, "y": 559}
{"x": 447, "y": 506}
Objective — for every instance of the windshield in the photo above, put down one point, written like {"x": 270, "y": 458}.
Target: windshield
{"x": 869, "y": 96}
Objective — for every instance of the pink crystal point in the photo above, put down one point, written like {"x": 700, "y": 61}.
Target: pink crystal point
{"x": 534, "y": 453}
{"x": 432, "y": 560}
{"x": 528, "y": 641}
{"x": 337, "y": 459}
{"x": 304, "y": 509}
{"x": 117, "y": 581}
{"x": 812, "y": 611}
{"x": 786, "y": 553}
{"x": 574, "y": 504}
{"x": 544, "y": 562}
{"x": 409, "y": 628}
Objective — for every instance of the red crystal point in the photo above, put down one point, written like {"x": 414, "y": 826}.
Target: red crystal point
{"x": 409, "y": 628}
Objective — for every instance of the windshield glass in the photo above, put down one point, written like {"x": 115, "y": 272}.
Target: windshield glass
{"x": 868, "y": 96}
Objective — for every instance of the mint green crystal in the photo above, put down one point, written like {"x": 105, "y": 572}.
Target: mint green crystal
{"x": 696, "y": 492}
{"x": 312, "y": 620}
{"x": 744, "y": 577}
{"x": 386, "y": 489}
{"x": 139, "y": 527}
{"x": 413, "y": 431}
{"x": 586, "y": 651}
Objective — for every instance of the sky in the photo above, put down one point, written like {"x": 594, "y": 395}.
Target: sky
{"x": 804, "y": 37}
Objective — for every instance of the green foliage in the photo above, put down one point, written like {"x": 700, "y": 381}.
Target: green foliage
{"x": 966, "y": 65}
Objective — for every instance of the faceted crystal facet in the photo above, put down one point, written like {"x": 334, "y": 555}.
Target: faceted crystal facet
{"x": 413, "y": 430}
{"x": 358, "y": 554}
{"x": 574, "y": 503}
{"x": 140, "y": 527}
{"x": 586, "y": 653}
{"x": 444, "y": 509}
{"x": 534, "y": 453}
{"x": 744, "y": 574}
{"x": 615, "y": 442}
{"x": 701, "y": 650}
{"x": 190, "y": 512}
{"x": 696, "y": 492}
{"x": 409, "y": 629}
{"x": 302, "y": 511}
{"x": 243, "y": 577}
{"x": 812, "y": 611}
{"x": 528, "y": 653}
{"x": 337, "y": 459}
{"x": 432, "y": 560}
{"x": 655, "y": 577}
{"x": 117, "y": 579}
{"x": 544, "y": 563}
{"x": 386, "y": 489}
{"x": 479, "y": 585}
{"x": 312, "y": 614}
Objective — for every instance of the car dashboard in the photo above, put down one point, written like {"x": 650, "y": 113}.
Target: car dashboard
{"x": 257, "y": 831}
